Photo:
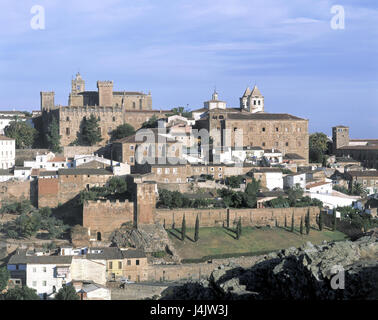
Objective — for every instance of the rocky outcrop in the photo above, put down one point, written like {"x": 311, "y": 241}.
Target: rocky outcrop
{"x": 150, "y": 238}
{"x": 308, "y": 272}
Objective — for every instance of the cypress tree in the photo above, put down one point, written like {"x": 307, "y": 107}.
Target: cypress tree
{"x": 308, "y": 222}
{"x": 228, "y": 218}
{"x": 320, "y": 221}
{"x": 292, "y": 222}
{"x": 196, "y": 231}
{"x": 164, "y": 224}
{"x": 334, "y": 220}
{"x": 183, "y": 229}
{"x": 285, "y": 221}
{"x": 301, "y": 228}
{"x": 238, "y": 229}
{"x": 276, "y": 223}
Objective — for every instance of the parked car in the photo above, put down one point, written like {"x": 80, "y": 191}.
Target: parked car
{"x": 126, "y": 281}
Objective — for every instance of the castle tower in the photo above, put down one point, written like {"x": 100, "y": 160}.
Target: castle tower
{"x": 255, "y": 101}
{"x": 105, "y": 93}
{"x": 47, "y": 100}
{"x": 244, "y": 99}
{"x": 77, "y": 85}
{"x": 145, "y": 202}
{"x": 340, "y": 137}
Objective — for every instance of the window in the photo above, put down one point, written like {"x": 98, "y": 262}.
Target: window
{"x": 158, "y": 170}
{"x": 119, "y": 264}
{"x": 219, "y": 169}
{"x": 34, "y": 283}
{"x": 166, "y": 170}
{"x": 263, "y": 144}
{"x": 114, "y": 119}
{"x": 137, "y": 262}
{"x": 287, "y": 144}
{"x": 132, "y": 159}
{"x": 44, "y": 269}
{"x": 263, "y": 129}
{"x": 131, "y": 147}
{"x": 254, "y": 102}
{"x": 68, "y": 119}
{"x": 276, "y": 129}
{"x": 44, "y": 283}
{"x": 174, "y": 170}
{"x": 68, "y": 131}
{"x": 110, "y": 265}
{"x": 259, "y": 102}
{"x": 133, "y": 105}
{"x": 211, "y": 169}
{"x": 129, "y": 262}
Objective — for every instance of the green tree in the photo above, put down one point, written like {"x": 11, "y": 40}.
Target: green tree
{"x": 22, "y": 132}
{"x": 317, "y": 146}
{"x": 320, "y": 221}
{"x": 294, "y": 194}
{"x": 4, "y": 278}
{"x": 334, "y": 220}
{"x": 196, "y": 230}
{"x": 21, "y": 293}
{"x": 67, "y": 292}
{"x": 301, "y": 227}
{"x": 358, "y": 190}
{"x": 150, "y": 123}
{"x": 285, "y": 221}
{"x": 53, "y": 136}
{"x": 307, "y": 222}
{"x": 117, "y": 185}
{"x": 238, "y": 229}
{"x": 292, "y": 223}
{"x": 122, "y": 131}
{"x": 183, "y": 228}
{"x": 91, "y": 131}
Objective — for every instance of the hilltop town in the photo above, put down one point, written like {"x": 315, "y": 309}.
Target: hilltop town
{"x": 113, "y": 199}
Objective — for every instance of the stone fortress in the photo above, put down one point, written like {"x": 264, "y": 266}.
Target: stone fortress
{"x": 112, "y": 108}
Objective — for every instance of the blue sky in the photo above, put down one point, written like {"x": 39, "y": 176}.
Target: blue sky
{"x": 181, "y": 49}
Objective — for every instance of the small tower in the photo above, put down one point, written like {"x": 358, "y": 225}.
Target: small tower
{"x": 340, "y": 137}
{"x": 244, "y": 99}
{"x": 47, "y": 101}
{"x": 78, "y": 84}
{"x": 255, "y": 101}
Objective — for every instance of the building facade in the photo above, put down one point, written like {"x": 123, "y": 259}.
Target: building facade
{"x": 7, "y": 152}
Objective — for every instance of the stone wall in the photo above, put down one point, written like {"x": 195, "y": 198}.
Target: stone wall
{"x": 249, "y": 217}
{"x": 16, "y": 190}
{"x": 106, "y": 216}
{"x": 55, "y": 191}
{"x": 71, "y": 151}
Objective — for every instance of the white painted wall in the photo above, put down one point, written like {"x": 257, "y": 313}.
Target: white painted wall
{"x": 7, "y": 153}
{"x": 43, "y": 277}
{"x": 274, "y": 180}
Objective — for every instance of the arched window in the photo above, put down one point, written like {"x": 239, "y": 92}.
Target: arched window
{"x": 98, "y": 236}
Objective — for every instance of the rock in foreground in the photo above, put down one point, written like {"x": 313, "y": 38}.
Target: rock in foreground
{"x": 294, "y": 274}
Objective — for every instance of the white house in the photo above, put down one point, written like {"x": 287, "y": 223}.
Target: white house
{"x": 274, "y": 180}
{"x": 89, "y": 290}
{"x": 7, "y": 152}
{"x": 22, "y": 173}
{"x": 334, "y": 199}
{"x": 45, "y": 274}
{"x": 323, "y": 187}
{"x": 294, "y": 179}
{"x": 48, "y": 161}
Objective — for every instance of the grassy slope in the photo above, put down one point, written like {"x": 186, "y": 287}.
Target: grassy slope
{"x": 214, "y": 241}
